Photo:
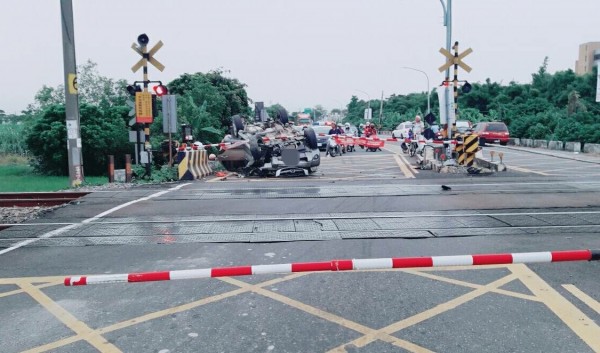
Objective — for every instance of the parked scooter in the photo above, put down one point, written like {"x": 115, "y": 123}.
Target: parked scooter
{"x": 410, "y": 145}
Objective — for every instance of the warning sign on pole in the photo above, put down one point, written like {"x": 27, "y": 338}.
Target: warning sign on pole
{"x": 143, "y": 107}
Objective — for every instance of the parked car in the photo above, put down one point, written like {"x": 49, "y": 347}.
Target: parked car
{"x": 494, "y": 132}
{"x": 322, "y": 133}
{"x": 463, "y": 126}
{"x": 401, "y": 130}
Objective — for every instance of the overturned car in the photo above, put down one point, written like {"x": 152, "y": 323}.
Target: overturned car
{"x": 271, "y": 147}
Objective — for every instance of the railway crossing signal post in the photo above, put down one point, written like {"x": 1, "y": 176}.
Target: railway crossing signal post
{"x": 144, "y": 107}
{"x": 456, "y": 60}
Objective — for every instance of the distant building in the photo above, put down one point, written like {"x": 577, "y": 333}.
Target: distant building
{"x": 589, "y": 55}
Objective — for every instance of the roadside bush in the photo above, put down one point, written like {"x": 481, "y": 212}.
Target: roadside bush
{"x": 101, "y": 134}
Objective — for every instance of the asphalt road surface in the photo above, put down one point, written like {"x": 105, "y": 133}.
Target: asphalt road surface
{"x": 361, "y": 205}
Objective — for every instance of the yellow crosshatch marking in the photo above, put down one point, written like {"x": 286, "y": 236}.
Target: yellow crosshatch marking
{"x": 569, "y": 314}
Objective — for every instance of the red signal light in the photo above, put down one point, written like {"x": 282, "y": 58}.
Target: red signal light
{"x": 161, "y": 90}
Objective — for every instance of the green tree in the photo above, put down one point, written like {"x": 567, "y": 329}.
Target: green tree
{"x": 102, "y": 133}
{"x": 222, "y": 97}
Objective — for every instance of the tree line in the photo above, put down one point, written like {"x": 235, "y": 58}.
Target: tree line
{"x": 559, "y": 106}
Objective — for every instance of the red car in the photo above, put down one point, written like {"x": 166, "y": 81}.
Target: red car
{"x": 492, "y": 132}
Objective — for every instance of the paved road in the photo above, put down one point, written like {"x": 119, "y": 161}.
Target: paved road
{"x": 547, "y": 162}
{"x": 360, "y": 205}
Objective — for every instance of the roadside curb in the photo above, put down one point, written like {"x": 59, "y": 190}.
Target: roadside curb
{"x": 545, "y": 153}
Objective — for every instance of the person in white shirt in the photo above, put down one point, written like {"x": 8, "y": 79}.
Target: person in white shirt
{"x": 418, "y": 126}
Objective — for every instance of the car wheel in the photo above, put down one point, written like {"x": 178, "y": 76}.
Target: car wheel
{"x": 283, "y": 117}
{"x": 311, "y": 138}
{"x": 237, "y": 124}
{"x": 503, "y": 143}
{"x": 393, "y": 136}
{"x": 481, "y": 141}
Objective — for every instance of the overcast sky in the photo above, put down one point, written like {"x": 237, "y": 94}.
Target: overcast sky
{"x": 298, "y": 53}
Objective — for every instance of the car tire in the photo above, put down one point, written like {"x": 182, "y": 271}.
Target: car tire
{"x": 481, "y": 141}
{"x": 393, "y": 136}
{"x": 237, "y": 124}
{"x": 283, "y": 117}
{"x": 311, "y": 138}
{"x": 504, "y": 143}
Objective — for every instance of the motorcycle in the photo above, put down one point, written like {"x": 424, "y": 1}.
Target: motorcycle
{"x": 411, "y": 144}
{"x": 333, "y": 147}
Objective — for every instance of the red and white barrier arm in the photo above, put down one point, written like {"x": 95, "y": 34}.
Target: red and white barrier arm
{"x": 225, "y": 145}
{"x": 343, "y": 265}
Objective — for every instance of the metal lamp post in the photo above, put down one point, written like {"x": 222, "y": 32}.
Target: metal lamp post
{"x": 428, "y": 90}
{"x": 368, "y": 95}
{"x": 448, "y": 24}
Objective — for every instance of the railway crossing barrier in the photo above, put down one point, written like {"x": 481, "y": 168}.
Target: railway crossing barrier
{"x": 342, "y": 265}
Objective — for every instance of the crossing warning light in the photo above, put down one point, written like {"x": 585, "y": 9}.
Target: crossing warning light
{"x": 160, "y": 90}
{"x": 466, "y": 87}
{"x": 133, "y": 89}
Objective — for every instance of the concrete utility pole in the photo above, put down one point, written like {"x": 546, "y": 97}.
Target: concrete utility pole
{"x": 76, "y": 176}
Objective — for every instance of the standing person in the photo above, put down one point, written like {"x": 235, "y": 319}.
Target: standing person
{"x": 418, "y": 126}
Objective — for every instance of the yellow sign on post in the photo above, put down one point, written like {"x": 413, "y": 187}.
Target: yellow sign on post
{"x": 72, "y": 80}
{"x": 143, "y": 107}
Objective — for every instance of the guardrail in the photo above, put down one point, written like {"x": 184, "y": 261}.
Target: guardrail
{"x": 556, "y": 145}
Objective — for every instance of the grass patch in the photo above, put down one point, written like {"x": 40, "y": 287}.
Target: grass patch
{"x": 18, "y": 176}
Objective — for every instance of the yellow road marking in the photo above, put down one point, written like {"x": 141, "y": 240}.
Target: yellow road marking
{"x": 473, "y": 285}
{"x": 580, "y": 324}
{"x": 155, "y": 315}
{"x": 542, "y": 292}
{"x": 589, "y": 301}
{"x": 18, "y": 291}
{"x": 188, "y": 306}
{"x": 328, "y": 316}
{"x": 427, "y": 314}
{"x": 49, "y": 279}
{"x": 92, "y": 336}
{"x": 404, "y": 168}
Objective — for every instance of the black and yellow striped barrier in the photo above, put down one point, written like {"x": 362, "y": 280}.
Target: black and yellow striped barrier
{"x": 466, "y": 148}
{"x": 193, "y": 164}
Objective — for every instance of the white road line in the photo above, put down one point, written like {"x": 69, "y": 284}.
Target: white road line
{"x": 525, "y": 170}
{"x": 571, "y": 168}
{"x": 86, "y": 221}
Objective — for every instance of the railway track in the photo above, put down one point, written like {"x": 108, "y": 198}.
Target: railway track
{"x": 35, "y": 199}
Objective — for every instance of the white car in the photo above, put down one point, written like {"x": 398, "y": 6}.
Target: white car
{"x": 401, "y": 130}
{"x": 463, "y": 126}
